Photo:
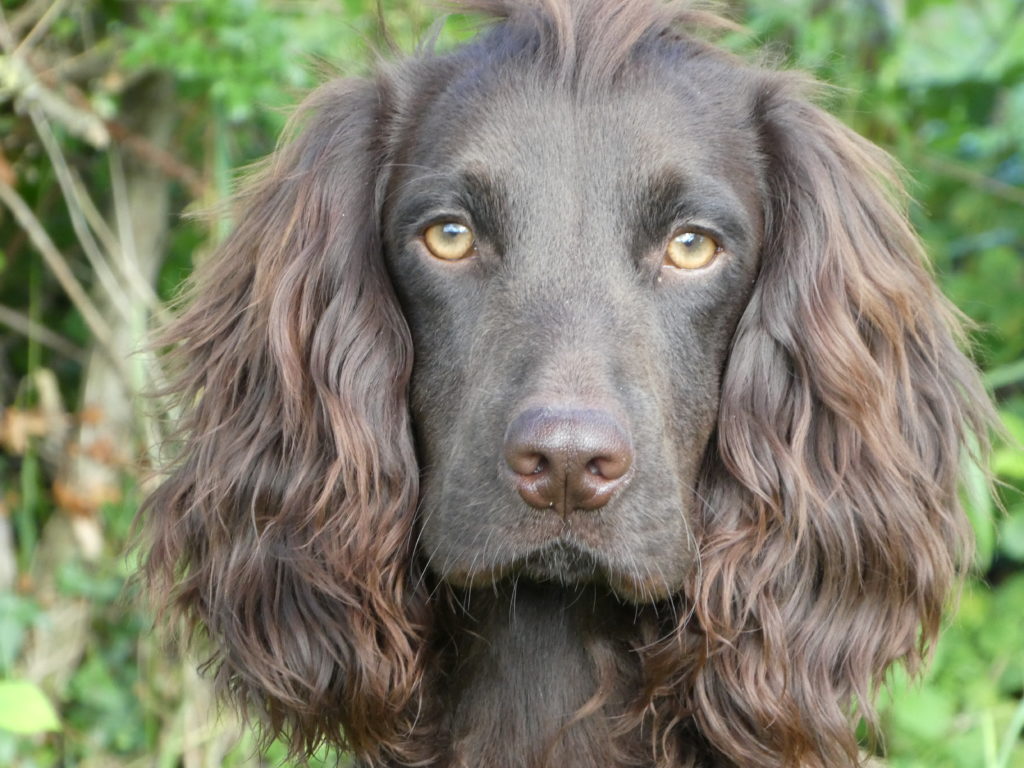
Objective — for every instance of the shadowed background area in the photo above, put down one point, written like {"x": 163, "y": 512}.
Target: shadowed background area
{"x": 118, "y": 117}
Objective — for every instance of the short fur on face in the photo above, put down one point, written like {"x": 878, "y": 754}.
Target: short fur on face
{"x": 341, "y": 522}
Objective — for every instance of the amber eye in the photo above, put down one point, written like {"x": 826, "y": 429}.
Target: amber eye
{"x": 449, "y": 240}
{"x": 690, "y": 250}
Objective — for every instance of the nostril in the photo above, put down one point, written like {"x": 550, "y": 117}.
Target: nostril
{"x": 525, "y": 462}
{"x": 611, "y": 467}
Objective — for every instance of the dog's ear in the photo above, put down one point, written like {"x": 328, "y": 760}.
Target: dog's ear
{"x": 832, "y": 534}
{"x": 284, "y": 530}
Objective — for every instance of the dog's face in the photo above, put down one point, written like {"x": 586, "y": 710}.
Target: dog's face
{"x": 572, "y": 266}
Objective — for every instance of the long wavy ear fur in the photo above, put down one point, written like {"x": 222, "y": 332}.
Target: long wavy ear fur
{"x": 832, "y": 533}
{"x": 284, "y": 529}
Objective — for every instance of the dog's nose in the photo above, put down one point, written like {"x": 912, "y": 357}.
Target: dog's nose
{"x": 567, "y": 459}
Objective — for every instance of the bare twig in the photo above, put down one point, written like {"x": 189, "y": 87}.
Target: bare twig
{"x": 17, "y": 79}
{"x": 6, "y": 35}
{"x": 75, "y": 113}
{"x": 159, "y": 158}
{"x": 62, "y": 271}
{"x": 128, "y": 268}
{"x": 976, "y": 179}
{"x": 26, "y": 16}
{"x": 80, "y": 67}
{"x": 29, "y": 327}
{"x": 93, "y": 252}
{"x": 87, "y": 220}
{"x": 41, "y": 26}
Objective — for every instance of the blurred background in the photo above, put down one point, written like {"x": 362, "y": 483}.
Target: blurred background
{"x": 117, "y": 118}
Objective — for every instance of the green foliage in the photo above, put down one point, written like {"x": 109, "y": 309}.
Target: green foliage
{"x": 238, "y": 56}
{"x": 24, "y": 708}
{"x": 968, "y": 699}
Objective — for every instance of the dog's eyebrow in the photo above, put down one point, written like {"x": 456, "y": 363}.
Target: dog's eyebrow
{"x": 480, "y": 195}
{"x": 668, "y": 199}
{"x": 486, "y": 200}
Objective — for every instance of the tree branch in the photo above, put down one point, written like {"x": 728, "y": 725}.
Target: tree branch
{"x": 29, "y": 327}
{"x": 62, "y": 271}
{"x": 976, "y": 179}
{"x": 18, "y": 80}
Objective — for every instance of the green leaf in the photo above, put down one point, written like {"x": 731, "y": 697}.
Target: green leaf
{"x": 1008, "y": 463}
{"x": 1011, "y": 537}
{"x": 925, "y": 712}
{"x": 980, "y": 510}
{"x": 1011, "y": 739}
{"x": 1008, "y": 459}
{"x": 24, "y": 708}
{"x": 1005, "y": 375}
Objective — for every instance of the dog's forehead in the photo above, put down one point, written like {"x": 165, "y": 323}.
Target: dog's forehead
{"x": 545, "y": 139}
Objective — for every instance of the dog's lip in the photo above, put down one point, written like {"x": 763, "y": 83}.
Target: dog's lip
{"x": 565, "y": 559}
{"x": 562, "y": 560}
{"x": 539, "y": 559}
{"x": 567, "y": 562}
{"x": 584, "y": 529}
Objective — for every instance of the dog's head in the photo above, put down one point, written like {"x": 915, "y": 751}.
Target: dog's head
{"x": 573, "y": 235}
{"x": 584, "y": 301}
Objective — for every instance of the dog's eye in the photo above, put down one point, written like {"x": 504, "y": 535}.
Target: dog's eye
{"x": 449, "y": 240}
{"x": 690, "y": 250}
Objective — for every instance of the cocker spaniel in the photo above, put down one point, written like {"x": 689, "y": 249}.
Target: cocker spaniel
{"x": 578, "y": 397}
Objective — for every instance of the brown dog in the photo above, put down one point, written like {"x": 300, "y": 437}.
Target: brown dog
{"x": 579, "y": 397}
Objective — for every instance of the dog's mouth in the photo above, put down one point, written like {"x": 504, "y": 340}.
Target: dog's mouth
{"x": 567, "y": 553}
{"x": 561, "y": 562}
{"x": 566, "y": 563}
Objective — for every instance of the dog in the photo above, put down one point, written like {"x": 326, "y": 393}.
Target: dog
{"x": 577, "y": 397}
